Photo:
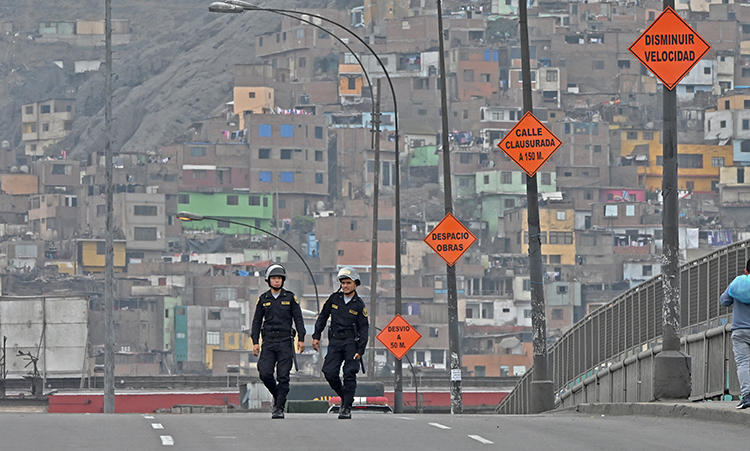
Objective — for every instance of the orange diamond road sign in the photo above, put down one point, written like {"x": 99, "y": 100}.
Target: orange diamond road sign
{"x": 450, "y": 239}
{"x": 399, "y": 336}
{"x": 529, "y": 143}
{"x": 669, "y": 48}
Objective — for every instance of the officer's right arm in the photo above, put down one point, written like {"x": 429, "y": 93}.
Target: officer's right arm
{"x": 257, "y": 322}
{"x": 320, "y": 323}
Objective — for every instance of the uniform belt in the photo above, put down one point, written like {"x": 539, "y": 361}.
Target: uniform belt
{"x": 276, "y": 333}
{"x": 343, "y": 334}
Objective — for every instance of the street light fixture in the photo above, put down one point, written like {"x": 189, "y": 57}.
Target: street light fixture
{"x": 218, "y": 7}
{"x": 188, "y": 216}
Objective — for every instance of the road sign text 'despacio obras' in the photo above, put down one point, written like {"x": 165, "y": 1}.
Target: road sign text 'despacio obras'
{"x": 669, "y": 48}
{"x": 529, "y": 143}
{"x": 450, "y": 239}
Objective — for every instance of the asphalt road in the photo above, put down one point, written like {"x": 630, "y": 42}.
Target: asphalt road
{"x": 366, "y": 431}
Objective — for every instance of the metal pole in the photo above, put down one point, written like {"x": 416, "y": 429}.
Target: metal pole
{"x": 453, "y": 339}
{"x": 374, "y": 250}
{"x": 109, "y": 322}
{"x": 542, "y": 398}
{"x": 672, "y": 378}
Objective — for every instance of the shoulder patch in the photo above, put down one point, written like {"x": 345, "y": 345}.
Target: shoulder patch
{"x": 334, "y": 306}
{"x": 364, "y": 312}
{"x": 296, "y": 300}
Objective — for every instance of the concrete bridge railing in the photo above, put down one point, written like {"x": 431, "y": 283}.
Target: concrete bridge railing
{"x": 616, "y": 343}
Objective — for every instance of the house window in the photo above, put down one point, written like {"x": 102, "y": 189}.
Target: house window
{"x": 707, "y": 70}
{"x": 287, "y": 131}
{"x": 509, "y": 203}
{"x": 560, "y": 238}
{"x": 318, "y": 132}
{"x": 486, "y": 179}
{"x": 551, "y": 75}
{"x": 45, "y": 127}
{"x": 554, "y": 259}
{"x": 222, "y": 224}
{"x": 45, "y": 109}
{"x": 282, "y": 203}
{"x": 561, "y": 215}
{"x": 144, "y": 210}
{"x": 29, "y": 109}
{"x": 264, "y": 176}
{"x": 351, "y": 83}
{"x": 59, "y": 169}
{"x": 717, "y": 162}
{"x": 465, "y": 158}
{"x": 232, "y": 200}
{"x": 100, "y": 247}
{"x": 690, "y": 160}
{"x": 264, "y": 130}
{"x": 144, "y": 233}
{"x": 647, "y": 270}
{"x": 745, "y": 124}
{"x": 597, "y": 148}
{"x": 385, "y": 225}
{"x": 632, "y": 135}
{"x": 198, "y": 151}
{"x": 506, "y": 178}
{"x": 623, "y": 64}
{"x": 469, "y": 76}
{"x": 610, "y": 211}
{"x": 546, "y": 178}
{"x": 212, "y": 338}
{"x": 264, "y": 154}
{"x": 629, "y": 210}
{"x": 319, "y": 178}
{"x": 253, "y": 200}
{"x": 302, "y": 61}
{"x": 557, "y": 313}
{"x": 286, "y": 154}
{"x": 287, "y": 177}
{"x": 318, "y": 155}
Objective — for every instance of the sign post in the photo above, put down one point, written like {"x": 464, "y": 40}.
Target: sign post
{"x": 670, "y": 48}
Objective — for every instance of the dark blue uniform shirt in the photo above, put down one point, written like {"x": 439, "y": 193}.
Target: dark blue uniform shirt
{"x": 273, "y": 317}
{"x": 347, "y": 320}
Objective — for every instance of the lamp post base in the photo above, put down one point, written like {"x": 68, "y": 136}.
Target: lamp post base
{"x": 671, "y": 377}
{"x": 542, "y": 396}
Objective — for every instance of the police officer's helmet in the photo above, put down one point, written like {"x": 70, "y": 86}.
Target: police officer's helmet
{"x": 348, "y": 272}
{"x": 275, "y": 270}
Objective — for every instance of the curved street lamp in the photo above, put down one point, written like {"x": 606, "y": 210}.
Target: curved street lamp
{"x": 239, "y": 6}
{"x": 187, "y": 216}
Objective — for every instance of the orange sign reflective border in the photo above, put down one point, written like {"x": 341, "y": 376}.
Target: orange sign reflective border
{"x": 529, "y": 143}
{"x": 450, "y": 239}
{"x": 669, "y": 48}
{"x": 398, "y": 336}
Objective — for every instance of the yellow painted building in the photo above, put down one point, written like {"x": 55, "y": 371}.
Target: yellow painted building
{"x": 255, "y": 99}
{"x": 558, "y": 235}
{"x": 630, "y": 138}
{"x": 91, "y": 255}
{"x": 231, "y": 341}
{"x": 698, "y": 167}
{"x": 351, "y": 80}
{"x": 732, "y": 102}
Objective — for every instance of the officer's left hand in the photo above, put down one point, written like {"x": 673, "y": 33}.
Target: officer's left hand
{"x": 356, "y": 356}
{"x": 301, "y": 346}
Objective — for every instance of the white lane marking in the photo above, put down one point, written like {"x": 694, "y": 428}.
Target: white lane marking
{"x": 167, "y": 440}
{"x": 439, "y": 426}
{"x": 148, "y": 417}
{"x": 405, "y": 418}
{"x": 481, "y": 439}
{"x": 157, "y": 426}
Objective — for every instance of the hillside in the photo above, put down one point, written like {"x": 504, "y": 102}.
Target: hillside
{"x": 177, "y": 69}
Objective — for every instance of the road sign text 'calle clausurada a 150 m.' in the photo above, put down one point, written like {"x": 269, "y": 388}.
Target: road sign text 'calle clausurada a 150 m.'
{"x": 529, "y": 143}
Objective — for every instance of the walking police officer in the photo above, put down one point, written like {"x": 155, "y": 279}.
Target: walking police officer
{"x": 274, "y": 312}
{"x": 347, "y": 337}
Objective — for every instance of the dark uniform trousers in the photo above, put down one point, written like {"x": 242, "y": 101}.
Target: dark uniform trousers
{"x": 342, "y": 350}
{"x": 276, "y": 353}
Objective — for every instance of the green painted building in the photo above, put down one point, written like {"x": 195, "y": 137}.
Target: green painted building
{"x": 180, "y": 334}
{"x": 499, "y": 191}
{"x": 169, "y": 309}
{"x": 253, "y": 209}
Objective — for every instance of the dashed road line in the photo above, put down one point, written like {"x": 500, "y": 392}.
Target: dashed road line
{"x": 157, "y": 426}
{"x": 481, "y": 439}
{"x": 148, "y": 417}
{"x": 167, "y": 440}
{"x": 405, "y": 418}
{"x": 439, "y": 426}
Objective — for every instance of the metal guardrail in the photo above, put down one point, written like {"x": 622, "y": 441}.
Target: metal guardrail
{"x": 632, "y": 324}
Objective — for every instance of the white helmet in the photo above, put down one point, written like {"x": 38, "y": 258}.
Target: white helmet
{"x": 347, "y": 272}
{"x": 275, "y": 270}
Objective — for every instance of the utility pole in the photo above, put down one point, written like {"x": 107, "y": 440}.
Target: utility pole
{"x": 374, "y": 255}
{"x": 453, "y": 339}
{"x": 109, "y": 305}
{"x": 542, "y": 398}
{"x": 672, "y": 378}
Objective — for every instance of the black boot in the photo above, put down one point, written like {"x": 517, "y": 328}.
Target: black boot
{"x": 278, "y": 412}
{"x": 345, "y": 413}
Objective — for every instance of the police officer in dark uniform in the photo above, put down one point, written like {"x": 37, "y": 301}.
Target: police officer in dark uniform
{"x": 347, "y": 337}
{"x": 274, "y": 312}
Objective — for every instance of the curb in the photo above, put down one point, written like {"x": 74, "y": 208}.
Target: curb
{"x": 672, "y": 410}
